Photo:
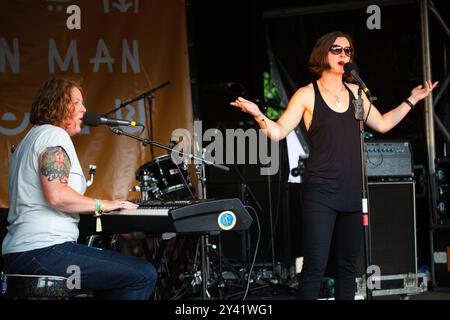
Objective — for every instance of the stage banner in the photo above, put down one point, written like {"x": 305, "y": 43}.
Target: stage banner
{"x": 116, "y": 50}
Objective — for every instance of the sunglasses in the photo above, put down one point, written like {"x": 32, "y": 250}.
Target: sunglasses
{"x": 337, "y": 49}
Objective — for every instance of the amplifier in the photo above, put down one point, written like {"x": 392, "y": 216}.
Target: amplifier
{"x": 389, "y": 159}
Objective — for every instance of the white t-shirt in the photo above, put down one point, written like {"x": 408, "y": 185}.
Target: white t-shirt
{"x": 32, "y": 222}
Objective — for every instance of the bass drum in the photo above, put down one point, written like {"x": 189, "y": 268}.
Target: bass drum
{"x": 163, "y": 179}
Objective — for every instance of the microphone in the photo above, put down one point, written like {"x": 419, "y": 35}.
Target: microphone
{"x": 93, "y": 119}
{"x": 351, "y": 68}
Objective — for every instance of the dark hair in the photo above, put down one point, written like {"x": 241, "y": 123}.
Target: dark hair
{"x": 318, "y": 60}
{"x": 51, "y": 104}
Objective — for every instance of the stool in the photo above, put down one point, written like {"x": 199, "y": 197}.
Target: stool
{"x": 39, "y": 287}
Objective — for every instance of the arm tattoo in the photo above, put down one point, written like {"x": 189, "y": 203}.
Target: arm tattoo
{"x": 55, "y": 164}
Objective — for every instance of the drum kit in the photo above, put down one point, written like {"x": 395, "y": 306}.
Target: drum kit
{"x": 163, "y": 179}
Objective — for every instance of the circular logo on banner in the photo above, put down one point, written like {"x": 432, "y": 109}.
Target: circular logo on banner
{"x": 226, "y": 220}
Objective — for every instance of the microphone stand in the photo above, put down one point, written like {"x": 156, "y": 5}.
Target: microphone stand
{"x": 359, "y": 116}
{"x": 149, "y": 96}
{"x": 204, "y": 238}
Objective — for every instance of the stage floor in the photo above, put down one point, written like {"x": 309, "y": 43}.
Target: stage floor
{"x": 282, "y": 294}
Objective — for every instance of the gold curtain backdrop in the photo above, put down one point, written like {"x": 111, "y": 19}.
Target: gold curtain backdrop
{"x": 124, "y": 48}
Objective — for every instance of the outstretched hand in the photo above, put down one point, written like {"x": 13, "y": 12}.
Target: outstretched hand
{"x": 247, "y": 106}
{"x": 421, "y": 92}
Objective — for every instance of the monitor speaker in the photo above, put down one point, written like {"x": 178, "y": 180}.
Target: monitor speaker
{"x": 392, "y": 228}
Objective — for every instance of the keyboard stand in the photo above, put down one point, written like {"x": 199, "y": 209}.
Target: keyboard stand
{"x": 205, "y": 273}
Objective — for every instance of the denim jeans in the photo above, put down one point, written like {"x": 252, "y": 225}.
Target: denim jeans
{"x": 111, "y": 275}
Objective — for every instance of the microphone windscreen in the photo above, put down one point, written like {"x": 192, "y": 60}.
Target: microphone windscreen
{"x": 349, "y": 67}
{"x": 91, "y": 119}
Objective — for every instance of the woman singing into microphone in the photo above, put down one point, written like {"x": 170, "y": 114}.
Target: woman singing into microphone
{"x": 332, "y": 179}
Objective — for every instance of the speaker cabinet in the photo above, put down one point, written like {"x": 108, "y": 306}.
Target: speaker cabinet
{"x": 392, "y": 228}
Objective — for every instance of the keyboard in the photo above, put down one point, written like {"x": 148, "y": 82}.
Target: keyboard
{"x": 188, "y": 217}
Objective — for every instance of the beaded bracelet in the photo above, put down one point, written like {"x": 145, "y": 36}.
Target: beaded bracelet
{"x": 262, "y": 118}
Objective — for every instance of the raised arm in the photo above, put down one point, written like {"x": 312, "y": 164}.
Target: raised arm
{"x": 54, "y": 169}
{"x": 288, "y": 121}
{"x": 385, "y": 122}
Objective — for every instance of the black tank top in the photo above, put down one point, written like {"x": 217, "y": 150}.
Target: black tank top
{"x": 333, "y": 169}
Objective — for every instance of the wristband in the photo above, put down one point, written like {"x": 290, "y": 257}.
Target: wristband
{"x": 98, "y": 205}
{"x": 409, "y": 103}
{"x": 99, "y": 208}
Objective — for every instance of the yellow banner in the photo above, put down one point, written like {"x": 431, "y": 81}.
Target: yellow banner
{"x": 116, "y": 50}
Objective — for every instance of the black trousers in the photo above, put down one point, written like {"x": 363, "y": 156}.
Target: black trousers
{"x": 324, "y": 228}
